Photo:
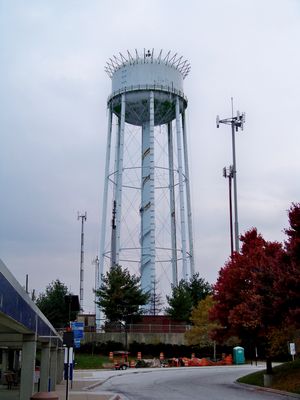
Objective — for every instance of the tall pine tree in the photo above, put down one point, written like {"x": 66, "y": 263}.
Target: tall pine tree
{"x": 120, "y": 296}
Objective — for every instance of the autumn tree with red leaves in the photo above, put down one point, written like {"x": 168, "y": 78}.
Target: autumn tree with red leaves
{"x": 290, "y": 283}
{"x": 246, "y": 294}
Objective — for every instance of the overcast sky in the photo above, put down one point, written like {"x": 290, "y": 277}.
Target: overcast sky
{"x": 53, "y": 121}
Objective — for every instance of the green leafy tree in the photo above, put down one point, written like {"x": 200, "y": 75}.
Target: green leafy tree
{"x": 185, "y": 296}
{"x": 120, "y": 296}
{"x": 53, "y": 306}
{"x": 198, "y": 288}
{"x": 201, "y": 331}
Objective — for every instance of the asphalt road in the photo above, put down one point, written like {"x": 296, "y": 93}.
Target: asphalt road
{"x": 207, "y": 383}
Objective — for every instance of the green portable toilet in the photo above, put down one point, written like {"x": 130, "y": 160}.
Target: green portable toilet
{"x": 238, "y": 355}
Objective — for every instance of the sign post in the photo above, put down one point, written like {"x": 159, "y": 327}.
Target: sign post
{"x": 293, "y": 350}
{"x": 68, "y": 342}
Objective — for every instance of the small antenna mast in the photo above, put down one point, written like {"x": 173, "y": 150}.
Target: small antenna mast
{"x": 83, "y": 218}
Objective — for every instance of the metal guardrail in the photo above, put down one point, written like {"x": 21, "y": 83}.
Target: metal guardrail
{"x": 150, "y": 328}
{"x": 138, "y": 328}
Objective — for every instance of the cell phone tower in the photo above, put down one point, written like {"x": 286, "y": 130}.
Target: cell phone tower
{"x": 147, "y": 187}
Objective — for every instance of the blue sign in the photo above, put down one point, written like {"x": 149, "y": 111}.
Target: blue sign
{"x": 77, "y": 328}
{"x": 78, "y": 334}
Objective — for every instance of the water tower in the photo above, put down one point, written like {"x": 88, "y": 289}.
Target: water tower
{"x": 146, "y": 220}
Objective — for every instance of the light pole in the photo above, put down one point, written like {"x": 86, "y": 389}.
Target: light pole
{"x": 236, "y": 123}
{"x": 228, "y": 173}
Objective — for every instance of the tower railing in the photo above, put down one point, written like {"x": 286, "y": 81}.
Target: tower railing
{"x": 161, "y": 88}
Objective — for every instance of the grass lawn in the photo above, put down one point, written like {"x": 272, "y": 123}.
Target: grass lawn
{"x": 286, "y": 377}
{"x": 96, "y": 361}
{"x": 88, "y": 361}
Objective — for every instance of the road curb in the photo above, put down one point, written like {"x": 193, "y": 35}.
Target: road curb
{"x": 270, "y": 390}
{"x": 94, "y": 385}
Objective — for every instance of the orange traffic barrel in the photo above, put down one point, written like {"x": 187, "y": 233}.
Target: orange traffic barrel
{"x": 161, "y": 356}
{"x": 228, "y": 360}
{"x": 111, "y": 355}
{"x": 139, "y": 355}
{"x": 132, "y": 364}
{"x": 204, "y": 362}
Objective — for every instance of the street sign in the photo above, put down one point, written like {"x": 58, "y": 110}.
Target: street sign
{"x": 77, "y": 325}
{"x": 292, "y": 349}
{"x": 77, "y": 329}
{"x": 78, "y": 334}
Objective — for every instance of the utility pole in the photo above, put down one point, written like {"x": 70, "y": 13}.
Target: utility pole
{"x": 228, "y": 173}
{"x": 83, "y": 218}
{"x": 26, "y": 284}
{"x": 236, "y": 123}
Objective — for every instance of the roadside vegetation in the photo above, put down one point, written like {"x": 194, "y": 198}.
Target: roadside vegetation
{"x": 88, "y": 361}
{"x": 286, "y": 377}
{"x": 54, "y": 306}
{"x": 256, "y": 296}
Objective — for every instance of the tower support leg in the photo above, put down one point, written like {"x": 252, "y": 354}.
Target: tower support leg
{"x": 188, "y": 196}
{"x": 100, "y": 265}
{"x": 181, "y": 192}
{"x": 172, "y": 206}
{"x": 118, "y": 193}
{"x": 147, "y": 210}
